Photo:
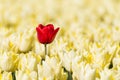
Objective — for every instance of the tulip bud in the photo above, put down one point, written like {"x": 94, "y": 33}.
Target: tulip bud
{"x": 29, "y": 61}
{"x": 46, "y": 34}
{"x": 25, "y": 41}
{"x": 51, "y": 69}
{"x": 8, "y": 61}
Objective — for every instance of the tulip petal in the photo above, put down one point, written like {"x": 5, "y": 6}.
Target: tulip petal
{"x": 41, "y": 35}
{"x": 41, "y": 26}
{"x": 47, "y": 31}
{"x": 50, "y": 26}
{"x": 38, "y": 29}
{"x": 52, "y": 36}
{"x": 46, "y": 34}
{"x": 50, "y": 30}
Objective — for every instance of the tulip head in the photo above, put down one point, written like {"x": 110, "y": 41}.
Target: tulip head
{"x": 46, "y": 34}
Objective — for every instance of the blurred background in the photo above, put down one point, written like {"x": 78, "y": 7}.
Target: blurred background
{"x": 90, "y": 17}
{"x": 19, "y": 14}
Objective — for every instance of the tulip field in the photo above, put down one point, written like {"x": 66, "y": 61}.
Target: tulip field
{"x": 59, "y": 39}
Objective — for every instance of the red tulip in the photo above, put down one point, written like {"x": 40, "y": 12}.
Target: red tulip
{"x": 46, "y": 34}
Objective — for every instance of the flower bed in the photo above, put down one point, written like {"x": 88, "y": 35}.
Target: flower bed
{"x": 87, "y": 46}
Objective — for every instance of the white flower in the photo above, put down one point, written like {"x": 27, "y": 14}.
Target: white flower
{"x": 8, "y": 61}
{"x": 21, "y": 41}
{"x": 29, "y": 61}
{"x": 81, "y": 71}
{"x": 4, "y": 44}
{"x": 116, "y": 61}
{"x": 25, "y": 40}
{"x": 13, "y": 40}
{"x": 107, "y": 74}
{"x": 26, "y": 75}
{"x": 67, "y": 60}
{"x": 89, "y": 73}
{"x": 39, "y": 48}
{"x": 102, "y": 53}
{"x": 116, "y": 33}
{"x": 117, "y": 73}
{"x": 6, "y": 76}
{"x": 51, "y": 69}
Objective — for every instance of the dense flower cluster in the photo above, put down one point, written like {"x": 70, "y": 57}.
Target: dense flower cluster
{"x": 87, "y": 46}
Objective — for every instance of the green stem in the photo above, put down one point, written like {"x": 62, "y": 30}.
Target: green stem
{"x": 43, "y": 59}
{"x": 69, "y": 74}
{"x": 45, "y": 49}
{"x": 111, "y": 65}
{"x": 13, "y": 76}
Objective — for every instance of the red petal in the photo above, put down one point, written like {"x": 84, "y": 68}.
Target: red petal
{"x": 56, "y": 30}
{"x": 38, "y": 29}
{"x": 41, "y": 36}
{"x": 46, "y": 34}
{"x": 50, "y": 26}
{"x": 45, "y": 30}
{"x": 41, "y": 26}
{"x": 52, "y": 36}
{"x": 50, "y": 29}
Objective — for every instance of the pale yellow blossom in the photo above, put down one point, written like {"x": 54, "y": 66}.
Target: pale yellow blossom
{"x": 29, "y": 61}
{"x": 8, "y": 61}
{"x": 26, "y": 75}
